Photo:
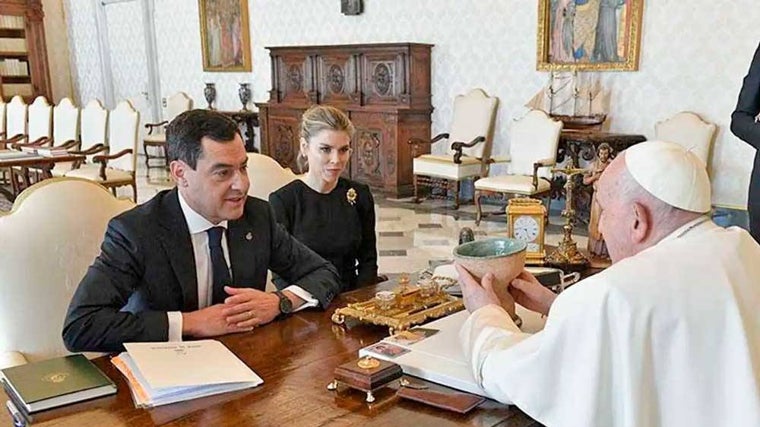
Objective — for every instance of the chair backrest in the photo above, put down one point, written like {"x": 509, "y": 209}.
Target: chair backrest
{"x": 65, "y": 121}
{"x": 94, "y": 124}
{"x": 123, "y": 127}
{"x": 2, "y": 115}
{"x": 40, "y": 119}
{"x": 474, "y": 115}
{"x": 690, "y": 131}
{"x": 534, "y": 137}
{"x": 266, "y": 175}
{"x": 16, "y": 111}
{"x": 45, "y": 257}
{"x": 177, "y": 104}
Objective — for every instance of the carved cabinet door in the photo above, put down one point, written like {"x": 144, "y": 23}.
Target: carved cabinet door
{"x": 295, "y": 80}
{"x": 282, "y": 126}
{"x": 383, "y": 78}
{"x": 374, "y": 158}
{"x": 336, "y": 77}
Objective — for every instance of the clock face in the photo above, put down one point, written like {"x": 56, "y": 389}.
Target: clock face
{"x": 526, "y": 229}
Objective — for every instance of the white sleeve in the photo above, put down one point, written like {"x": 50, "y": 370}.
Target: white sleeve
{"x": 310, "y": 301}
{"x": 175, "y": 325}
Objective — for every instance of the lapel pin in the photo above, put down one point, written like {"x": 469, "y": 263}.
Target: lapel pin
{"x": 249, "y": 236}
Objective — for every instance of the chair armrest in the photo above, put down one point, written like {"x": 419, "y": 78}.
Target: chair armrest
{"x": 68, "y": 144}
{"x": 103, "y": 160}
{"x": 39, "y": 142}
{"x": 458, "y": 146}
{"x": 150, "y": 126}
{"x": 415, "y": 142}
{"x": 97, "y": 148}
{"x": 536, "y": 166}
{"x": 4, "y": 143}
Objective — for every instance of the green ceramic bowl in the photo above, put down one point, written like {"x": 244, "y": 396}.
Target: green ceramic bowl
{"x": 495, "y": 247}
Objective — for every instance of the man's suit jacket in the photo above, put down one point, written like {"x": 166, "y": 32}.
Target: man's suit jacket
{"x": 146, "y": 267}
{"x": 743, "y": 123}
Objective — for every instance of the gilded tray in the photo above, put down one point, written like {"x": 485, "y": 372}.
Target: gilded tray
{"x": 409, "y": 308}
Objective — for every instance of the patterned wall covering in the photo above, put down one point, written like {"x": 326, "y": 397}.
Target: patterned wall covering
{"x": 694, "y": 55}
{"x": 57, "y": 40}
{"x": 85, "y": 61}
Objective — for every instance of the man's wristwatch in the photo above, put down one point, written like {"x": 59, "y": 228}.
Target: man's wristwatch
{"x": 286, "y": 306}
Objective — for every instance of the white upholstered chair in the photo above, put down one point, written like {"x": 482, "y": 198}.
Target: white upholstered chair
{"x": 690, "y": 131}
{"x": 65, "y": 132}
{"x": 15, "y": 122}
{"x": 40, "y": 126}
{"x": 156, "y": 138}
{"x": 43, "y": 260}
{"x": 116, "y": 169}
{"x": 532, "y": 153}
{"x": 469, "y": 155}
{"x": 266, "y": 175}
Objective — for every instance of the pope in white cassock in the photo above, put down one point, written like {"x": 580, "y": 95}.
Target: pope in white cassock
{"x": 669, "y": 335}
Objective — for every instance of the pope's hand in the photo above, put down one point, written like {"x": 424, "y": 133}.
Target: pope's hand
{"x": 246, "y": 307}
{"x": 477, "y": 295}
{"x": 531, "y": 294}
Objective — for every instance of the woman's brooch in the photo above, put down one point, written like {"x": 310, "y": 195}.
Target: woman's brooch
{"x": 351, "y": 196}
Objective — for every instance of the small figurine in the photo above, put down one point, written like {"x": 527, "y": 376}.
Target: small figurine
{"x": 596, "y": 246}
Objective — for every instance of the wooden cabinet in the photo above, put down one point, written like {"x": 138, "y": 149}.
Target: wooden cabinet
{"x": 23, "y": 54}
{"x": 384, "y": 88}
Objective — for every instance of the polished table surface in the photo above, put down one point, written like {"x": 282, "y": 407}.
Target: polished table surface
{"x": 296, "y": 358}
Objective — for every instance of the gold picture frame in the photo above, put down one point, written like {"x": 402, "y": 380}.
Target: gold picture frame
{"x": 576, "y": 48}
{"x": 225, "y": 35}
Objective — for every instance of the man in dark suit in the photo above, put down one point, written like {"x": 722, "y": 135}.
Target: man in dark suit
{"x": 744, "y": 124}
{"x": 192, "y": 262}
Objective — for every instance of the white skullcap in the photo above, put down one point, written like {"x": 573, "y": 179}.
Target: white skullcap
{"x": 670, "y": 173}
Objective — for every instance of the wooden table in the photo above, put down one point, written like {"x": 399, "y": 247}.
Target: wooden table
{"x": 24, "y": 160}
{"x": 296, "y": 358}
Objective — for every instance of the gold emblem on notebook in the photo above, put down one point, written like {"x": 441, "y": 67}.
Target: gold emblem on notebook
{"x": 368, "y": 363}
{"x": 55, "y": 377}
{"x": 351, "y": 196}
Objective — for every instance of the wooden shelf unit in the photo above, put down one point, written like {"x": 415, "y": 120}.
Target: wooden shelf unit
{"x": 34, "y": 63}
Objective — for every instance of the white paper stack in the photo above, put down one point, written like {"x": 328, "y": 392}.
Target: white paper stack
{"x": 168, "y": 372}
{"x": 440, "y": 358}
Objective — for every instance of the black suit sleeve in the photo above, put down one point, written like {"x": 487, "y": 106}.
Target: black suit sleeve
{"x": 367, "y": 256}
{"x": 94, "y": 321}
{"x": 747, "y": 107}
{"x": 296, "y": 264}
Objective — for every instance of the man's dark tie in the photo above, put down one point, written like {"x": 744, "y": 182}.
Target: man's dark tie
{"x": 220, "y": 272}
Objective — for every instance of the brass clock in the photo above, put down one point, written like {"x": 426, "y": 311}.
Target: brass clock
{"x": 525, "y": 219}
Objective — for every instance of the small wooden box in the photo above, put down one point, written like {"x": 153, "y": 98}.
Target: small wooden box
{"x": 366, "y": 379}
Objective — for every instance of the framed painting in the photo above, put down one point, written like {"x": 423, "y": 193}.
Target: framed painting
{"x": 225, "y": 37}
{"x": 589, "y": 35}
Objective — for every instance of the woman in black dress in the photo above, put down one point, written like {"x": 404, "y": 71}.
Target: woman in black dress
{"x": 332, "y": 215}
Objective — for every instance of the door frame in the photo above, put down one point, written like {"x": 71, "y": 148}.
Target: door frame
{"x": 151, "y": 53}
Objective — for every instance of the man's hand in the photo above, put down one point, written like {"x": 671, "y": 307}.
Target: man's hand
{"x": 531, "y": 294}
{"x": 209, "y": 322}
{"x": 246, "y": 307}
{"x": 477, "y": 295}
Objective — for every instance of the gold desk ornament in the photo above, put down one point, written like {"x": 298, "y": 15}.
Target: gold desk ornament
{"x": 567, "y": 256}
{"x": 401, "y": 308}
{"x": 368, "y": 362}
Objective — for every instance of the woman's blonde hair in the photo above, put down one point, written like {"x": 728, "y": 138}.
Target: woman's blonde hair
{"x": 323, "y": 117}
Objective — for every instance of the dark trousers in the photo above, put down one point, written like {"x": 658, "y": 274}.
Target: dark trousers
{"x": 754, "y": 221}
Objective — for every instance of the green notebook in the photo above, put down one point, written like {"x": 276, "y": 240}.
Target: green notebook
{"x": 57, "y": 382}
